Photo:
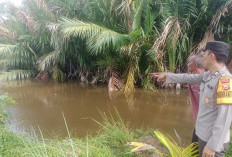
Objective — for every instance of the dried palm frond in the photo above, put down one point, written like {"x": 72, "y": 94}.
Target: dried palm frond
{"x": 42, "y": 5}
{"x": 160, "y": 44}
{"x": 129, "y": 87}
{"x": 221, "y": 12}
{"x": 27, "y": 19}
{"x": 6, "y": 32}
{"x": 115, "y": 83}
{"x": 170, "y": 35}
{"x": 52, "y": 27}
{"x": 209, "y": 36}
{"x": 176, "y": 32}
{"x": 125, "y": 7}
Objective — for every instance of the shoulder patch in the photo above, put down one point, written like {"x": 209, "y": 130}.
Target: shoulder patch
{"x": 224, "y": 91}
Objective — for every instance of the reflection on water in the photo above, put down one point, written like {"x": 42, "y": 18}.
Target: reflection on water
{"x": 41, "y": 105}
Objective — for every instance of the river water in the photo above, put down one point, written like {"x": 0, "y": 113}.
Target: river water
{"x": 40, "y": 106}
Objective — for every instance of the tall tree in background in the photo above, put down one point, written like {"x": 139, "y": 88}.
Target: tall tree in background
{"x": 107, "y": 40}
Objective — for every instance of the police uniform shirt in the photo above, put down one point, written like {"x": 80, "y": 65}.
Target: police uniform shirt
{"x": 215, "y": 105}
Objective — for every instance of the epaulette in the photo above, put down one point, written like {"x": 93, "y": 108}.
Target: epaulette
{"x": 224, "y": 91}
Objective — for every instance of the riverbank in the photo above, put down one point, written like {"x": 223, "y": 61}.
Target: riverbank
{"x": 111, "y": 141}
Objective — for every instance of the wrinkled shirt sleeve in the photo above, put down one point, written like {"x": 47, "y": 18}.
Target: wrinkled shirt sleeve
{"x": 220, "y": 128}
{"x": 184, "y": 78}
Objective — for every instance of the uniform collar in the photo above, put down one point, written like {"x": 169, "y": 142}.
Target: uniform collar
{"x": 220, "y": 70}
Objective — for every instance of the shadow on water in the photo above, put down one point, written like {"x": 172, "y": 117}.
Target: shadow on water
{"x": 42, "y": 104}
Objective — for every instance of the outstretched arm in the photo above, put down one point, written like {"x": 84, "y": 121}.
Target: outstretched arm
{"x": 178, "y": 78}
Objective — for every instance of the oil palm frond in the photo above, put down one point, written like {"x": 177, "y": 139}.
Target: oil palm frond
{"x": 211, "y": 29}
{"x": 136, "y": 24}
{"x": 148, "y": 21}
{"x": 125, "y": 8}
{"x": 52, "y": 27}
{"x": 16, "y": 75}
{"x": 57, "y": 74}
{"x": 48, "y": 60}
{"x": 6, "y": 50}
{"x": 99, "y": 38}
{"x": 79, "y": 29}
{"x": 220, "y": 12}
{"x": 159, "y": 46}
{"x": 27, "y": 19}
{"x": 107, "y": 39}
{"x": 4, "y": 31}
{"x": 173, "y": 147}
{"x": 42, "y": 5}
{"x": 209, "y": 36}
{"x": 129, "y": 87}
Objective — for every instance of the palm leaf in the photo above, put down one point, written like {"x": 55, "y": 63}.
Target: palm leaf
{"x": 149, "y": 20}
{"x": 78, "y": 28}
{"x": 99, "y": 38}
{"x": 176, "y": 150}
{"x": 173, "y": 149}
{"x": 136, "y": 24}
{"x": 16, "y": 75}
{"x": 57, "y": 74}
{"x": 6, "y": 50}
{"x": 220, "y": 12}
{"x": 42, "y": 5}
{"x": 129, "y": 87}
{"x": 48, "y": 60}
{"x": 107, "y": 39}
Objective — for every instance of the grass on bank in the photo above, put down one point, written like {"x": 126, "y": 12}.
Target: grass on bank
{"x": 111, "y": 141}
{"x": 229, "y": 150}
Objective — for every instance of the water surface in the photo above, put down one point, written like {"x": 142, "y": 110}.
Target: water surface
{"x": 40, "y": 105}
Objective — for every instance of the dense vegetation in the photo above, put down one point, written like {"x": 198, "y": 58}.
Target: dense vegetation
{"x": 107, "y": 41}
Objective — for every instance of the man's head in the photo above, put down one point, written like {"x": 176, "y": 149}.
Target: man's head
{"x": 195, "y": 64}
{"x": 215, "y": 52}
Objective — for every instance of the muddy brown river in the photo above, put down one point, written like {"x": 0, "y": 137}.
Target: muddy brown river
{"x": 40, "y": 105}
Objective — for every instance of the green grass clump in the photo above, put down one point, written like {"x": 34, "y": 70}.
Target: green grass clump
{"x": 109, "y": 142}
{"x": 10, "y": 143}
{"x": 229, "y": 150}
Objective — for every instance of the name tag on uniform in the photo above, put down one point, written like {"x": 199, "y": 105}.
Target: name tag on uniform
{"x": 224, "y": 91}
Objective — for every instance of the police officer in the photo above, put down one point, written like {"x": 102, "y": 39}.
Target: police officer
{"x": 215, "y": 104}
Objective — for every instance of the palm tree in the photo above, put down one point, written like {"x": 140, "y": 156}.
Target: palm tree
{"x": 101, "y": 39}
{"x": 175, "y": 39}
{"x": 16, "y": 55}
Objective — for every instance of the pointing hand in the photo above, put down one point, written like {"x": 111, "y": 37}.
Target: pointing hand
{"x": 161, "y": 77}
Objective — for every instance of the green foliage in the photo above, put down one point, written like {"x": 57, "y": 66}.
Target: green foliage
{"x": 74, "y": 36}
{"x": 176, "y": 150}
{"x": 229, "y": 150}
{"x": 110, "y": 142}
{"x": 10, "y": 143}
{"x": 4, "y": 100}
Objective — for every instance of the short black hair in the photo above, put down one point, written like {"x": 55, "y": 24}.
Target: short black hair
{"x": 219, "y": 58}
